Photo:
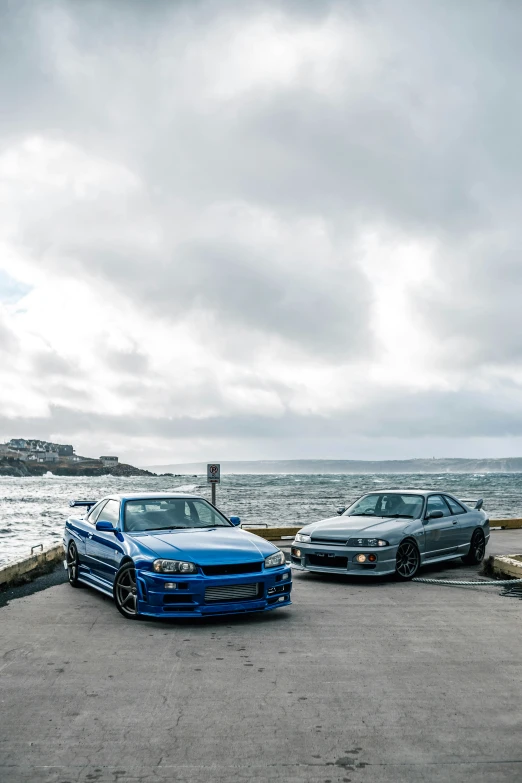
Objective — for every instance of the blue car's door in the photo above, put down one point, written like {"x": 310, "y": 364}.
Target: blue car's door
{"x": 80, "y": 530}
{"x": 441, "y": 535}
{"x": 104, "y": 550}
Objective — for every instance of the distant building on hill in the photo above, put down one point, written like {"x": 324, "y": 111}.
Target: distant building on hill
{"x": 17, "y": 443}
{"x": 109, "y": 462}
{"x": 40, "y": 450}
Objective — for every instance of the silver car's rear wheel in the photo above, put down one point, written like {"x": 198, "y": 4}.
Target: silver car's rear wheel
{"x": 408, "y": 561}
{"x": 126, "y": 592}
{"x": 477, "y": 549}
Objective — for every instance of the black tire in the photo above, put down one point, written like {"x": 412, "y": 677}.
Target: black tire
{"x": 125, "y": 592}
{"x": 73, "y": 565}
{"x": 407, "y": 562}
{"x": 477, "y": 549}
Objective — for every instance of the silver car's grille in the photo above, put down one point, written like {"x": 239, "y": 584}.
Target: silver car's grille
{"x": 231, "y": 593}
{"x": 329, "y": 541}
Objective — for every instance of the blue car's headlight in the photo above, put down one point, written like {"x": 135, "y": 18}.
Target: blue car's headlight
{"x": 302, "y": 538}
{"x": 367, "y": 542}
{"x": 174, "y": 567}
{"x": 277, "y": 559}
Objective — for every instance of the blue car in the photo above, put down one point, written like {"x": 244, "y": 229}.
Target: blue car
{"x": 172, "y": 555}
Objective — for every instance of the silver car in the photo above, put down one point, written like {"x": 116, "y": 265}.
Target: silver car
{"x": 393, "y": 532}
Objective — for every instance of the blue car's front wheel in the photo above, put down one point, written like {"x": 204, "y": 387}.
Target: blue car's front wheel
{"x": 126, "y": 592}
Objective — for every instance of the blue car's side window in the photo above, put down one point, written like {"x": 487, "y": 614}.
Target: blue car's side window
{"x": 95, "y": 513}
{"x": 111, "y": 512}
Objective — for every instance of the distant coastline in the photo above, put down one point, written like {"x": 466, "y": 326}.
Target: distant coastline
{"x": 22, "y": 457}
{"x": 322, "y": 466}
{"x": 18, "y": 468}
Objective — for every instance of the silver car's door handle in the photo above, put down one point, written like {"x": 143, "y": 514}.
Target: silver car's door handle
{"x": 455, "y": 521}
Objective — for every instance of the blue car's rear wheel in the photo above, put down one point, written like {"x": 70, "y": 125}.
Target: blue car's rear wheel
{"x": 126, "y": 592}
{"x": 72, "y": 562}
{"x": 408, "y": 561}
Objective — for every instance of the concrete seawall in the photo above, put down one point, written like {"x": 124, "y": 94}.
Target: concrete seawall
{"x": 27, "y": 568}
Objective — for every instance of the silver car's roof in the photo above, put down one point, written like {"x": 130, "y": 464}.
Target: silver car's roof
{"x": 408, "y": 492}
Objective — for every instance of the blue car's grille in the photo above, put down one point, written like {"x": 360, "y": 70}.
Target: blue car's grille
{"x": 231, "y": 593}
{"x": 235, "y": 568}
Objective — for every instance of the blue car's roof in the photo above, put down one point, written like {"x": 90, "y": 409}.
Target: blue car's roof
{"x": 151, "y": 495}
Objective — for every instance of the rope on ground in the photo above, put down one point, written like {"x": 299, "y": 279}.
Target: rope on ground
{"x": 482, "y": 583}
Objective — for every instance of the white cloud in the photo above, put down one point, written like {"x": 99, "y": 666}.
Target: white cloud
{"x": 237, "y": 227}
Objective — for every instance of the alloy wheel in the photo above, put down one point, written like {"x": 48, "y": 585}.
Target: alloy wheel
{"x": 126, "y": 592}
{"x": 478, "y": 546}
{"x": 72, "y": 564}
{"x": 407, "y": 563}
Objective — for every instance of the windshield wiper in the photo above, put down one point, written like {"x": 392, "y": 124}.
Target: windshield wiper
{"x": 174, "y": 527}
{"x": 403, "y": 516}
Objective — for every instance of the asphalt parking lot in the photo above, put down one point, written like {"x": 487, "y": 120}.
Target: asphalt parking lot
{"x": 358, "y": 681}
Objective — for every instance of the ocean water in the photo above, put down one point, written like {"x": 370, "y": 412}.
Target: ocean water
{"x": 33, "y": 510}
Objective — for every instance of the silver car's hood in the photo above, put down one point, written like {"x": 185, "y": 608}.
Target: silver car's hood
{"x": 343, "y": 527}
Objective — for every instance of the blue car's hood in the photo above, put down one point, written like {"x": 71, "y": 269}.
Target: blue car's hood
{"x": 210, "y": 546}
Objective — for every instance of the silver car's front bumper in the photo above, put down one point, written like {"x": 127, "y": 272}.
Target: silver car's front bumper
{"x": 342, "y": 560}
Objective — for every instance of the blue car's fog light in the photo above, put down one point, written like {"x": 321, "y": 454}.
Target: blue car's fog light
{"x": 285, "y": 577}
{"x": 170, "y": 585}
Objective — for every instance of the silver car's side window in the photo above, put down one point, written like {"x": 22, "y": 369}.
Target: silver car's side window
{"x": 437, "y": 503}
{"x": 456, "y": 508}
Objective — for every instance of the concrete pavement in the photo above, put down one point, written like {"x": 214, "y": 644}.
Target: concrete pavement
{"x": 358, "y": 681}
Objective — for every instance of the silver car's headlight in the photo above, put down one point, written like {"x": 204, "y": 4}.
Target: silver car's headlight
{"x": 367, "y": 542}
{"x": 302, "y": 538}
{"x": 277, "y": 559}
{"x": 174, "y": 567}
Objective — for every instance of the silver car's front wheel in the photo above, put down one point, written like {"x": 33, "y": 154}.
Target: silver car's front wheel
{"x": 408, "y": 561}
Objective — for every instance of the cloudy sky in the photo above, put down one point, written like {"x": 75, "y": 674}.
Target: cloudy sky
{"x": 237, "y": 230}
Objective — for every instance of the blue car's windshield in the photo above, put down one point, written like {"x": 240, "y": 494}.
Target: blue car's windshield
{"x": 171, "y": 514}
{"x": 387, "y": 504}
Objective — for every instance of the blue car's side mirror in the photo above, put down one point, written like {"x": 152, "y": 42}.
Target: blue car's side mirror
{"x": 106, "y": 527}
{"x": 235, "y": 521}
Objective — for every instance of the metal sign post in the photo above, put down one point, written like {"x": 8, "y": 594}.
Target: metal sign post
{"x": 213, "y": 478}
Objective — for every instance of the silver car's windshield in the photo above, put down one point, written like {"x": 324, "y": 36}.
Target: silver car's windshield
{"x": 391, "y": 504}
{"x": 171, "y": 514}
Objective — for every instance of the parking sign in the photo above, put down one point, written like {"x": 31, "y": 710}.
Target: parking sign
{"x": 213, "y": 473}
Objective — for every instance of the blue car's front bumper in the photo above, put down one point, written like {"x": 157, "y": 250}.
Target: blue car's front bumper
{"x": 176, "y": 595}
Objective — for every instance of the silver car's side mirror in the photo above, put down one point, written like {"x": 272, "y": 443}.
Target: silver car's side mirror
{"x": 479, "y": 504}
{"x": 341, "y": 510}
